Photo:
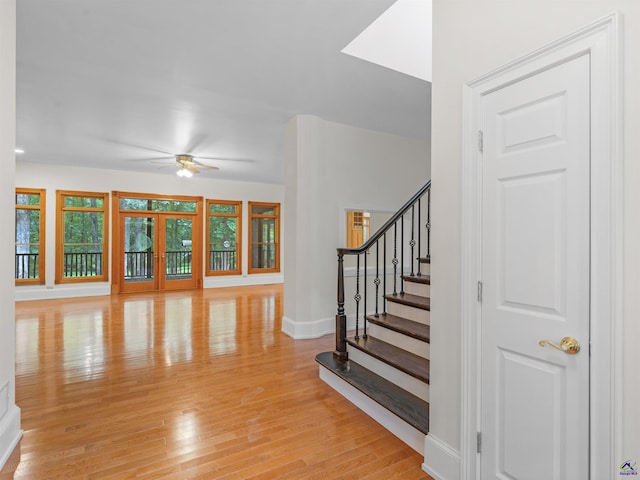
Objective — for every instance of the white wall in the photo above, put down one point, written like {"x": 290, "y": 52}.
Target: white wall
{"x": 472, "y": 38}
{"x": 52, "y": 178}
{"x": 10, "y": 431}
{"x": 330, "y": 167}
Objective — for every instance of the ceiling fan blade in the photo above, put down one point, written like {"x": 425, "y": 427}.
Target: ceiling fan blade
{"x": 222, "y": 159}
{"x": 152, "y": 159}
{"x": 206, "y": 167}
{"x": 133, "y": 145}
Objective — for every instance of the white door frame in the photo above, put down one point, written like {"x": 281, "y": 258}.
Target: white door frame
{"x": 602, "y": 41}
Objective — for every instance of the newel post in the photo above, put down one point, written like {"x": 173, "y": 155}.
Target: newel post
{"x": 341, "y": 318}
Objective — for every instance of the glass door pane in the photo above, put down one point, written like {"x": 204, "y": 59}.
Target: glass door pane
{"x": 178, "y": 233}
{"x": 139, "y": 253}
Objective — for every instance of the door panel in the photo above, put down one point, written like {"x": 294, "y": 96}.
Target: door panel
{"x": 177, "y": 251}
{"x": 139, "y": 252}
{"x": 535, "y": 273}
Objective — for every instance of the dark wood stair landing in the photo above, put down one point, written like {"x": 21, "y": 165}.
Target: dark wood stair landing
{"x": 405, "y": 405}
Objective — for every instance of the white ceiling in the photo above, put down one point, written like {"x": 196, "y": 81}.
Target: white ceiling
{"x": 114, "y": 83}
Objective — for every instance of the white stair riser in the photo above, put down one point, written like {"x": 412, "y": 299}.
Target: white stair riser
{"x": 401, "y": 429}
{"x": 415, "y": 288}
{"x": 425, "y": 269}
{"x": 410, "y": 344}
{"x": 386, "y": 371}
{"x": 409, "y": 312}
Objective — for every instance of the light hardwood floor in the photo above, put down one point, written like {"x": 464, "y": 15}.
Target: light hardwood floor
{"x": 184, "y": 385}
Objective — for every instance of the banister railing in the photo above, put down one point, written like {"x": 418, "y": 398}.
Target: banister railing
{"x": 418, "y": 229}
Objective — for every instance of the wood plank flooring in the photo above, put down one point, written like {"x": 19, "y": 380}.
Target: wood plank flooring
{"x": 186, "y": 385}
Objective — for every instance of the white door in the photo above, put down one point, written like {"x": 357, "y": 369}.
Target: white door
{"x": 535, "y": 272}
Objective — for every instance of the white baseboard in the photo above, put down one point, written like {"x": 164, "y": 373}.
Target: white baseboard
{"x": 304, "y": 330}
{"x": 42, "y": 292}
{"x": 401, "y": 429}
{"x": 313, "y": 329}
{"x": 10, "y": 433}
{"x": 441, "y": 460}
{"x": 48, "y": 292}
{"x": 242, "y": 280}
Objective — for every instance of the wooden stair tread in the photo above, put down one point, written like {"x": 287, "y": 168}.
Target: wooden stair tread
{"x": 404, "y": 361}
{"x": 405, "y": 405}
{"x": 424, "y": 260}
{"x": 424, "y": 279}
{"x": 410, "y": 328}
{"x": 411, "y": 300}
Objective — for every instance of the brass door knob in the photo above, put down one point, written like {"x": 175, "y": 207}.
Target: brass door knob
{"x": 567, "y": 345}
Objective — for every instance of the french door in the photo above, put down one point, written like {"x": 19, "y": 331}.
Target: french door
{"x": 159, "y": 250}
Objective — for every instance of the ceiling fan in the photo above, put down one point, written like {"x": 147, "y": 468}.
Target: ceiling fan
{"x": 187, "y": 165}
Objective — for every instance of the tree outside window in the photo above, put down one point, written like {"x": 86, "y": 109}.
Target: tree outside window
{"x": 30, "y": 231}
{"x": 224, "y": 237}
{"x": 81, "y": 236}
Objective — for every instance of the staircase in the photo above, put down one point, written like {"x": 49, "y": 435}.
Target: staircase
{"x": 382, "y": 365}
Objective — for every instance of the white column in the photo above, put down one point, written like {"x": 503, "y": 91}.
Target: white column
{"x": 10, "y": 432}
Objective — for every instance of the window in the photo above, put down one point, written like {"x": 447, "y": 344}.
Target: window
{"x": 30, "y": 213}
{"x": 82, "y": 227}
{"x": 264, "y": 237}
{"x": 224, "y": 237}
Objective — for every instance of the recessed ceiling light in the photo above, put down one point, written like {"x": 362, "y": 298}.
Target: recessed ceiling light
{"x": 19, "y": 150}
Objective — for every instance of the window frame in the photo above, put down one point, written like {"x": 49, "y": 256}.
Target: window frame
{"x": 60, "y": 210}
{"x": 42, "y": 208}
{"x": 276, "y": 217}
{"x": 238, "y": 217}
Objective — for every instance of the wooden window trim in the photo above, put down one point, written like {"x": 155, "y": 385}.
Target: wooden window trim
{"x": 238, "y": 217}
{"x": 43, "y": 239}
{"x": 251, "y": 216}
{"x": 60, "y": 209}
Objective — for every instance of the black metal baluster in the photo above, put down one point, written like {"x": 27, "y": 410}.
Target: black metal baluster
{"x": 412, "y": 243}
{"x": 364, "y": 307}
{"x": 384, "y": 274}
{"x": 402, "y": 254}
{"x": 419, "y": 235}
{"x": 376, "y": 282}
{"x": 395, "y": 258}
{"x": 429, "y": 225}
{"x": 357, "y": 297}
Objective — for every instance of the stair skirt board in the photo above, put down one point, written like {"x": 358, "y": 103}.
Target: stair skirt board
{"x": 420, "y": 289}
{"x": 401, "y": 429}
{"x": 409, "y": 312}
{"x": 413, "y": 345}
{"x": 386, "y": 371}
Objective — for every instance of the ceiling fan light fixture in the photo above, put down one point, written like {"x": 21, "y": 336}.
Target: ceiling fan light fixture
{"x": 184, "y": 172}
